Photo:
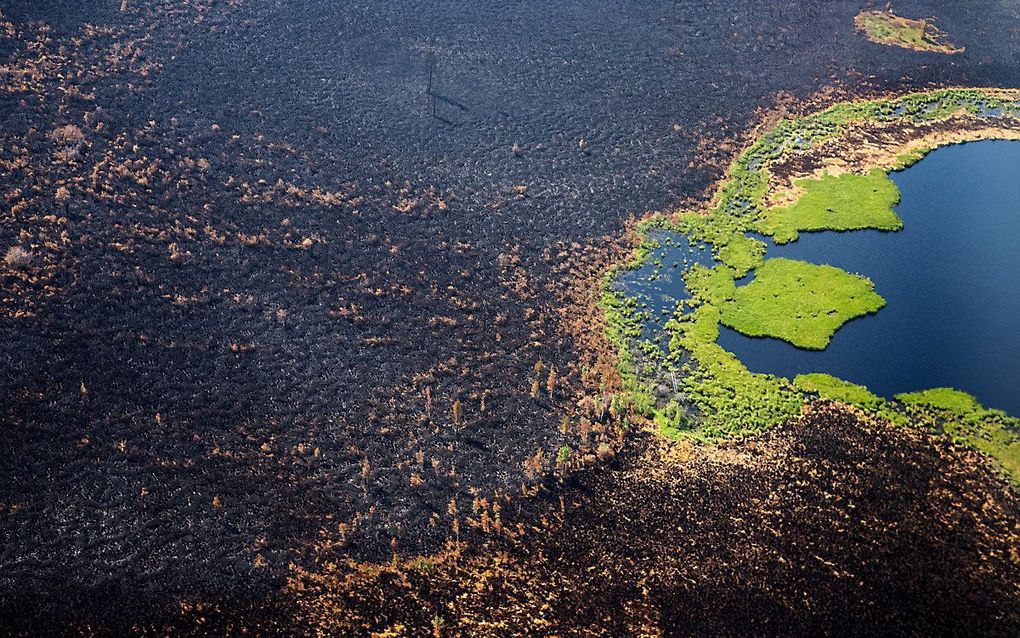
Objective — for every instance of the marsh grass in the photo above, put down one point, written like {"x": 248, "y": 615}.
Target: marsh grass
{"x": 829, "y": 387}
{"x": 836, "y": 202}
{"x": 885, "y": 27}
{"x": 801, "y": 303}
{"x": 712, "y": 393}
{"x": 962, "y": 417}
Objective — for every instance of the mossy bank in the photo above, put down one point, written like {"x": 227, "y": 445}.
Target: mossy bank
{"x": 825, "y": 171}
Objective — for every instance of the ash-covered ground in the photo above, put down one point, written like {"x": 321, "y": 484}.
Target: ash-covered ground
{"x": 255, "y": 252}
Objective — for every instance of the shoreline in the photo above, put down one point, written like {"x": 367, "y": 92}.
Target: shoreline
{"x": 717, "y": 396}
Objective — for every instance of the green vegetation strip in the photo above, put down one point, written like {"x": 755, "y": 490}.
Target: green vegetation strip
{"x": 829, "y": 387}
{"x": 969, "y": 423}
{"x": 695, "y": 388}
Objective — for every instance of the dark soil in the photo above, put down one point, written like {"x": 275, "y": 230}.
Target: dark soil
{"x": 827, "y": 526}
{"x": 270, "y": 242}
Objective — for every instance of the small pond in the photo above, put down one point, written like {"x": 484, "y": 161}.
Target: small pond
{"x": 951, "y": 279}
{"x": 658, "y": 285}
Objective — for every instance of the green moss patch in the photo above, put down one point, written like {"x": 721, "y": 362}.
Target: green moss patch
{"x": 844, "y": 202}
{"x": 944, "y": 399}
{"x": 885, "y": 27}
{"x": 743, "y": 254}
{"x": 963, "y": 418}
{"x": 802, "y": 303}
{"x": 829, "y": 387}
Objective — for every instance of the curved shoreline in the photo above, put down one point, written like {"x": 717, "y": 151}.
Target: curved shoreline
{"x": 716, "y": 396}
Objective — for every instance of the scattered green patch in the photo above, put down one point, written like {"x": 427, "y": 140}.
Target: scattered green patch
{"x": 743, "y": 254}
{"x": 885, "y": 27}
{"x": 563, "y": 455}
{"x": 804, "y": 304}
{"x": 844, "y": 202}
{"x": 697, "y": 389}
{"x": 962, "y": 417}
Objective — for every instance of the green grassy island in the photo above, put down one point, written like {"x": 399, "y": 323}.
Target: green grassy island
{"x": 843, "y": 202}
{"x": 885, "y": 27}
{"x": 798, "y": 302}
{"x": 712, "y": 393}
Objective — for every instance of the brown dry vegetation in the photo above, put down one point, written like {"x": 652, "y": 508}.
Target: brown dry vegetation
{"x": 875, "y": 145}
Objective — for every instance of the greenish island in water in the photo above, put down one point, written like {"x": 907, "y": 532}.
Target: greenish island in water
{"x": 799, "y": 302}
{"x": 710, "y": 392}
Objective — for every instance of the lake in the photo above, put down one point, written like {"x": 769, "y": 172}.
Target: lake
{"x": 951, "y": 279}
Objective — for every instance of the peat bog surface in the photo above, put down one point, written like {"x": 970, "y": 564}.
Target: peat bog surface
{"x": 262, "y": 262}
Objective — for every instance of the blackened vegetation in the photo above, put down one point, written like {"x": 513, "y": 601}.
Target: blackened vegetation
{"x": 247, "y": 275}
{"x": 896, "y": 549}
{"x": 829, "y": 525}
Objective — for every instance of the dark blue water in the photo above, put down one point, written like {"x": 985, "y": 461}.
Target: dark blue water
{"x": 951, "y": 279}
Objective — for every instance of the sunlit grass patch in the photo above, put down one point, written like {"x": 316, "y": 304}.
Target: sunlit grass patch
{"x": 885, "y": 27}
{"x": 827, "y": 386}
{"x": 943, "y": 398}
{"x": 836, "y": 202}
{"x": 802, "y": 303}
{"x": 962, "y": 417}
{"x": 742, "y": 253}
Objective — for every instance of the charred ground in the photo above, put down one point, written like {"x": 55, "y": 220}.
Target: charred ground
{"x": 915, "y": 537}
{"x": 260, "y": 273}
